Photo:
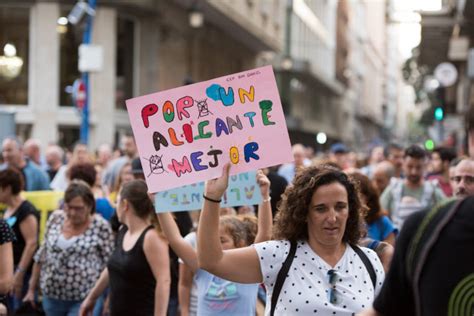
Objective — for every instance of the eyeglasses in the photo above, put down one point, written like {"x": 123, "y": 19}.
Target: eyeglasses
{"x": 74, "y": 208}
{"x": 467, "y": 179}
{"x": 333, "y": 299}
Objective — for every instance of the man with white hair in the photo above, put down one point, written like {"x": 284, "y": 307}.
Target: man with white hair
{"x": 13, "y": 156}
{"x": 54, "y": 160}
{"x": 104, "y": 155}
{"x": 463, "y": 179}
{"x": 289, "y": 170}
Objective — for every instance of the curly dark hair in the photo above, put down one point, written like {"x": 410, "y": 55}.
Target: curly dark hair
{"x": 368, "y": 190}
{"x": 83, "y": 171}
{"x": 12, "y": 178}
{"x": 291, "y": 220}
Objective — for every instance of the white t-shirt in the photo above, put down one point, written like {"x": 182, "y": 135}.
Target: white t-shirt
{"x": 306, "y": 289}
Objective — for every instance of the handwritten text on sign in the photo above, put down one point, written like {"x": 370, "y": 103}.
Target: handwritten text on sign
{"x": 242, "y": 190}
{"x": 185, "y": 135}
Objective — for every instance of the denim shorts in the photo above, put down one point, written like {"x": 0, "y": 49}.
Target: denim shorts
{"x": 55, "y": 307}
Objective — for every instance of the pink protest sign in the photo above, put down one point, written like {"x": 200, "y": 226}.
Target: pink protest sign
{"x": 185, "y": 135}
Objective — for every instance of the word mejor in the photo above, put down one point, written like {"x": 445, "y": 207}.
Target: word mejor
{"x": 190, "y": 132}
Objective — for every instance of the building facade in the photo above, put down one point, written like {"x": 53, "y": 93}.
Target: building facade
{"x": 147, "y": 46}
{"x": 448, "y": 37}
{"x": 335, "y": 76}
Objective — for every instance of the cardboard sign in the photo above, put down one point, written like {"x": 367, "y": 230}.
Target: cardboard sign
{"x": 185, "y": 135}
{"x": 243, "y": 190}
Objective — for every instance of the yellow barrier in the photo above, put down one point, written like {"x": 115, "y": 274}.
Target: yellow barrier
{"x": 45, "y": 202}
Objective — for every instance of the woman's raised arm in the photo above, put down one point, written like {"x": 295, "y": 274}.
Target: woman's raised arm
{"x": 265, "y": 218}
{"x": 237, "y": 265}
{"x": 179, "y": 245}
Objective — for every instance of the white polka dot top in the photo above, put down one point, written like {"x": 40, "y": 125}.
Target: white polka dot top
{"x": 309, "y": 289}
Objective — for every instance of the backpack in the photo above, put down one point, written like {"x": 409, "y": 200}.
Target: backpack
{"x": 283, "y": 273}
{"x": 397, "y": 214}
{"x": 424, "y": 238}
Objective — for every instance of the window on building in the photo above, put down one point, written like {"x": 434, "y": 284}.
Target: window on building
{"x": 70, "y": 39}
{"x": 23, "y": 131}
{"x": 125, "y": 61}
{"x": 68, "y": 136}
{"x": 14, "y": 41}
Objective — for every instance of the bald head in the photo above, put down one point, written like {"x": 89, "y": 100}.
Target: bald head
{"x": 32, "y": 150}
{"x": 463, "y": 179}
{"x": 383, "y": 172}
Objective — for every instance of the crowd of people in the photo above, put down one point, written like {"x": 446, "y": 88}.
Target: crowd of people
{"x": 332, "y": 235}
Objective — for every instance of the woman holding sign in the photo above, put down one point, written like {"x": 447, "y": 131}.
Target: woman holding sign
{"x": 138, "y": 271}
{"x": 216, "y": 295}
{"x": 314, "y": 266}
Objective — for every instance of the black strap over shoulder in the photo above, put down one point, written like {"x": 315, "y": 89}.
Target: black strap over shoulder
{"x": 367, "y": 264}
{"x": 424, "y": 239}
{"x": 282, "y": 276}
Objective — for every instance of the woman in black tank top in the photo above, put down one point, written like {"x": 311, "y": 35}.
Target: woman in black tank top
{"x": 138, "y": 270}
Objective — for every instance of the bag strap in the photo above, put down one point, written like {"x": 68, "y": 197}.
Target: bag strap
{"x": 425, "y": 231}
{"x": 282, "y": 276}
{"x": 425, "y": 237}
{"x": 368, "y": 265}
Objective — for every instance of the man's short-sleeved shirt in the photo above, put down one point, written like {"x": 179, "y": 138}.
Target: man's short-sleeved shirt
{"x": 401, "y": 201}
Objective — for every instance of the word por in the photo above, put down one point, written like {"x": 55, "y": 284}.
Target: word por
{"x": 215, "y": 92}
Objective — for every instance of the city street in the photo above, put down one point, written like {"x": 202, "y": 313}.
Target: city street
{"x": 236, "y": 157}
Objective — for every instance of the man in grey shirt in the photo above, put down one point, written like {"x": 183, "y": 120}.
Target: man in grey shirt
{"x": 404, "y": 197}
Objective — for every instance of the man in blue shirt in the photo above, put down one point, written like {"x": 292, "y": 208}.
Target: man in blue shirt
{"x": 289, "y": 170}
{"x": 12, "y": 152}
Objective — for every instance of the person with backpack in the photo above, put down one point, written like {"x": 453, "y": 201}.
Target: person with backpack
{"x": 404, "y": 197}
{"x": 423, "y": 278}
{"x": 314, "y": 265}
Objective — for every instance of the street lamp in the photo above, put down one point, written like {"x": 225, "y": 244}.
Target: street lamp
{"x": 10, "y": 63}
{"x": 74, "y": 17}
{"x": 196, "y": 18}
{"x": 321, "y": 138}
{"x": 63, "y": 20}
{"x": 79, "y": 9}
{"x": 287, "y": 63}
